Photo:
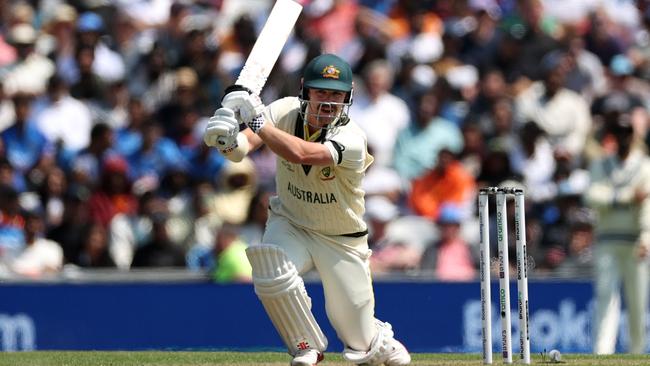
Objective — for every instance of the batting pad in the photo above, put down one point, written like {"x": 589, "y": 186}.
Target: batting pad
{"x": 283, "y": 294}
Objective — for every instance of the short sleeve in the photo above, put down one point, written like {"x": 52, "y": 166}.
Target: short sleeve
{"x": 283, "y": 113}
{"x": 348, "y": 149}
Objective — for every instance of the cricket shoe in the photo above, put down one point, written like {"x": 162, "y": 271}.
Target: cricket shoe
{"x": 307, "y": 357}
{"x": 397, "y": 354}
{"x": 384, "y": 350}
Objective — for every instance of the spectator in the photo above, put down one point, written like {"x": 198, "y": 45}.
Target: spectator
{"x": 88, "y": 164}
{"x": 206, "y": 222}
{"x": 159, "y": 251}
{"x": 185, "y": 97}
{"x": 12, "y": 224}
{"x": 153, "y": 83}
{"x": 415, "y": 33}
{"x": 531, "y": 34}
{"x": 557, "y": 229}
{"x": 107, "y": 64}
{"x": 235, "y": 191}
{"x": 61, "y": 27}
{"x": 230, "y": 253}
{"x": 94, "y": 247}
{"x": 113, "y": 195}
{"x": 480, "y": 44}
{"x": 29, "y": 72}
{"x": 8, "y": 175}
{"x": 205, "y": 164}
{"x": 492, "y": 88}
{"x": 128, "y": 139}
{"x": 532, "y": 157}
{"x": 62, "y": 118}
{"x": 450, "y": 258}
{"x": 154, "y": 158}
{"x": 258, "y": 212}
{"x": 89, "y": 87}
{"x": 586, "y": 74}
{"x": 176, "y": 190}
{"x": 113, "y": 110}
{"x": 600, "y": 38}
{"x": 129, "y": 231}
{"x": 579, "y": 261}
{"x": 264, "y": 160}
{"x": 418, "y": 145}
{"x": 475, "y": 149}
{"x": 170, "y": 34}
{"x": 379, "y": 113}
{"x": 392, "y": 249}
{"x": 447, "y": 182}
{"x": 24, "y": 144}
{"x": 40, "y": 257}
{"x": 52, "y": 195}
{"x": 75, "y": 219}
{"x": 561, "y": 113}
{"x": 498, "y": 124}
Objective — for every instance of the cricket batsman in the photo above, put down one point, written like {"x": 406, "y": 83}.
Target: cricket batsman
{"x": 316, "y": 219}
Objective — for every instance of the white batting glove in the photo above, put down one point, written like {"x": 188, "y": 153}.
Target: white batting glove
{"x": 221, "y": 131}
{"x": 245, "y": 105}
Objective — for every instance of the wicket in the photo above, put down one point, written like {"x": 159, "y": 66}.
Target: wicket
{"x": 504, "y": 275}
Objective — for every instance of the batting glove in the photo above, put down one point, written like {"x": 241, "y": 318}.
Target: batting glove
{"x": 243, "y": 102}
{"x": 221, "y": 131}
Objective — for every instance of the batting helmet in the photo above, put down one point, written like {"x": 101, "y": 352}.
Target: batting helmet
{"x": 328, "y": 72}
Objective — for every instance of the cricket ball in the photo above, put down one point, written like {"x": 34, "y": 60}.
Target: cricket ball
{"x": 555, "y": 355}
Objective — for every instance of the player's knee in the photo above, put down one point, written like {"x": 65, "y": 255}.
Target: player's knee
{"x": 273, "y": 272}
{"x": 285, "y": 299}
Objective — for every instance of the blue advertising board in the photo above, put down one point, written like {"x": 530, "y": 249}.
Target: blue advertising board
{"x": 426, "y": 316}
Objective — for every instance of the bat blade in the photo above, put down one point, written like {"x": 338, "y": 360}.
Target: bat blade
{"x": 269, "y": 44}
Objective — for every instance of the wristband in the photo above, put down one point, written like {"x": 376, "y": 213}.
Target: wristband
{"x": 257, "y": 123}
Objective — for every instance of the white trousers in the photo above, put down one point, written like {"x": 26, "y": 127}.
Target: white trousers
{"x": 616, "y": 264}
{"x": 343, "y": 266}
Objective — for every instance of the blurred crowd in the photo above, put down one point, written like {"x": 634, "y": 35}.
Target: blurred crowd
{"x": 103, "y": 105}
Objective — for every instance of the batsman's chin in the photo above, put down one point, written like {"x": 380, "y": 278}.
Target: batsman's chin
{"x": 326, "y": 120}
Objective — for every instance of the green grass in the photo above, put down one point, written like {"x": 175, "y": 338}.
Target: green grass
{"x": 273, "y": 358}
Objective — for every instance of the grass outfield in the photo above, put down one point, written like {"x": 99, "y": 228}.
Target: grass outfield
{"x": 157, "y": 358}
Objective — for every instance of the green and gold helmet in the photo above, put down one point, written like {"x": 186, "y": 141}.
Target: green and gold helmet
{"x": 328, "y": 72}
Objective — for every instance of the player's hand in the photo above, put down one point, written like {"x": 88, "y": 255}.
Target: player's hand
{"x": 639, "y": 196}
{"x": 642, "y": 250}
{"x": 245, "y": 105}
{"x": 221, "y": 131}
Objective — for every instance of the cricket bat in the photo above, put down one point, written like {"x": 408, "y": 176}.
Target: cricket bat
{"x": 269, "y": 44}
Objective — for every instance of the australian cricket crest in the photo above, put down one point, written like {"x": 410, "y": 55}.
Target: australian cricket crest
{"x": 331, "y": 72}
{"x": 326, "y": 173}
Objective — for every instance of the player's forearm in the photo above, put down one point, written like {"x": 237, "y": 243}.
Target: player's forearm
{"x": 294, "y": 149}
{"x": 247, "y": 142}
{"x": 254, "y": 141}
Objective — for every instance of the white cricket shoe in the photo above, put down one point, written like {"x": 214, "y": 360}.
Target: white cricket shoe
{"x": 398, "y": 355}
{"x": 307, "y": 357}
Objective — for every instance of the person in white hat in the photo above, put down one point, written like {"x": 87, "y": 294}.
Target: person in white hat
{"x": 30, "y": 72}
